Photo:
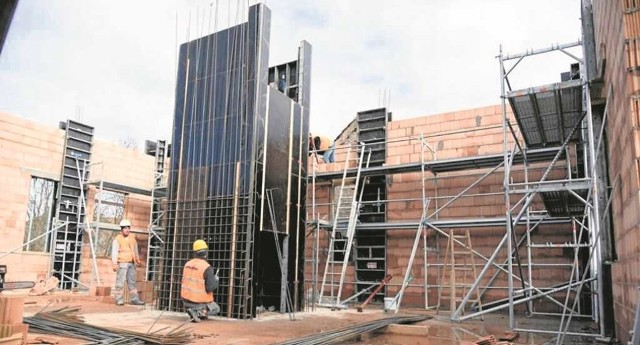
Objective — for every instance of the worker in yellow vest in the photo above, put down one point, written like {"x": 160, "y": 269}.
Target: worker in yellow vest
{"x": 124, "y": 255}
{"x": 198, "y": 283}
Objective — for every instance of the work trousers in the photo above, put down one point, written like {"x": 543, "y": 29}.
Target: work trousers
{"x": 126, "y": 270}
{"x": 211, "y": 308}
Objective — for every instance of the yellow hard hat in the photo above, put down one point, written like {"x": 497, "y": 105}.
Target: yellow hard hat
{"x": 199, "y": 245}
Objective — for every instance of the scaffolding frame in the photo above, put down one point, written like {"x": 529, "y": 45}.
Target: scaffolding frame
{"x": 93, "y": 225}
{"x": 156, "y": 228}
{"x": 584, "y": 227}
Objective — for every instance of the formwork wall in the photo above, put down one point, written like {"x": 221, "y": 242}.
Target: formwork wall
{"x": 479, "y": 133}
{"x": 617, "y": 41}
{"x": 235, "y": 140}
{"x": 29, "y": 149}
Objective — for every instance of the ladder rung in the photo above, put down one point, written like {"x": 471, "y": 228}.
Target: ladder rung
{"x": 462, "y": 253}
{"x": 460, "y": 236}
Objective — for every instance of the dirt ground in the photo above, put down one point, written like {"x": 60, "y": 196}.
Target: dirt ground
{"x": 269, "y": 328}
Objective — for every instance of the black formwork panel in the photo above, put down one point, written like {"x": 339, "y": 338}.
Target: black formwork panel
{"x": 228, "y": 124}
{"x": 217, "y": 144}
{"x": 373, "y": 209}
{"x": 372, "y": 115}
{"x": 370, "y": 252}
{"x": 285, "y": 177}
{"x": 70, "y": 206}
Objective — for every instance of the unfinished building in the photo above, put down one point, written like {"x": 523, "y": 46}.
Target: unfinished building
{"x": 60, "y": 186}
{"x": 527, "y": 208}
{"x": 462, "y": 190}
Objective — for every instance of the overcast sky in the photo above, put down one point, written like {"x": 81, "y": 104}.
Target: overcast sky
{"x": 111, "y": 64}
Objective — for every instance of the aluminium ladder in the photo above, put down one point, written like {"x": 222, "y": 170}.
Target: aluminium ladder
{"x": 342, "y": 238}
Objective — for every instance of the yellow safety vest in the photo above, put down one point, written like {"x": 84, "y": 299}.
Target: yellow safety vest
{"x": 125, "y": 247}
{"x": 193, "y": 284}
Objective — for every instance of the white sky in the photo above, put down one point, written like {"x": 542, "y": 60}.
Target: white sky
{"x": 111, "y": 63}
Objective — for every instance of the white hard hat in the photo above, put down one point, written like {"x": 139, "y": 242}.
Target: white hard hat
{"x": 124, "y": 223}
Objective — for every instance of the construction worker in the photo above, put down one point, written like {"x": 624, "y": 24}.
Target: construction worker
{"x": 124, "y": 255}
{"x": 198, "y": 283}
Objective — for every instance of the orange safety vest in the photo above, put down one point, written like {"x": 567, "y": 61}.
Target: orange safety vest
{"x": 193, "y": 285}
{"x": 125, "y": 248}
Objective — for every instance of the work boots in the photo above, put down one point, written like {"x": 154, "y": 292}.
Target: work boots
{"x": 119, "y": 301}
{"x": 193, "y": 315}
{"x": 135, "y": 300}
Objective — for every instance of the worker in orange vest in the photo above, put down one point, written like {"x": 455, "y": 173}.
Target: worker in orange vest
{"x": 198, "y": 283}
{"x": 124, "y": 255}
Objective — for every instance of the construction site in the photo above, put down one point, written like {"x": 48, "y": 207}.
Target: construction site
{"x": 513, "y": 223}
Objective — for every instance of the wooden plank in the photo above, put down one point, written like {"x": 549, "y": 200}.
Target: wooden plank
{"x": 5, "y": 331}
{"x": 22, "y": 329}
{"x": 10, "y": 330}
{"x": 15, "y": 339}
{"x": 408, "y": 329}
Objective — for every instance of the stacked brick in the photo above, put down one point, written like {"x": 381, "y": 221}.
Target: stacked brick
{"x": 12, "y": 329}
{"x": 617, "y": 36}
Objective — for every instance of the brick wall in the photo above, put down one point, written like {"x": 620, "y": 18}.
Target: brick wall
{"x": 612, "y": 27}
{"x": 453, "y": 135}
{"x": 26, "y": 149}
{"x": 29, "y": 149}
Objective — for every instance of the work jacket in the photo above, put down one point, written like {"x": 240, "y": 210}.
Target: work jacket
{"x": 126, "y": 248}
{"x": 193, "y": 282}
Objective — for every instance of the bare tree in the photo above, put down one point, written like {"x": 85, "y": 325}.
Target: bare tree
{"x": 39, "y": 211}
{"x": 109, "y": 208}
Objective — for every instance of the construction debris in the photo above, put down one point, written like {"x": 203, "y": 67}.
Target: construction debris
{"x": 509, "y": 336}
{"x": 380, "y": 286}
{"x": 43, "y": 340}
{"x": 66, "y": 322}
{"x": 341, "y": 335}
{"x": 489, "y": 340}
{"x": 44, "y": 286}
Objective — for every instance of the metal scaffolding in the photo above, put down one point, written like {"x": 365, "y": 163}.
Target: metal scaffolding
{"x": 553, "y": 124}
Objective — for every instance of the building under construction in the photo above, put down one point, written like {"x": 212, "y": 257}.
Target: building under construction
{"x": 528, "y": 209}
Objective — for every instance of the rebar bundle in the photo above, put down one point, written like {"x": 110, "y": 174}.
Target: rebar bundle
{"x": 66, "y": 322}
{"x": 341, "y": 335}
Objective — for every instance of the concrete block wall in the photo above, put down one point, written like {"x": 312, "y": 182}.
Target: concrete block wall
{"x": 615, "y": 23}
{"x": 27, "y": 149}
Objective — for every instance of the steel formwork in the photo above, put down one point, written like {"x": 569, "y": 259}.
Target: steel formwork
{"x": 236, "y": 139}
